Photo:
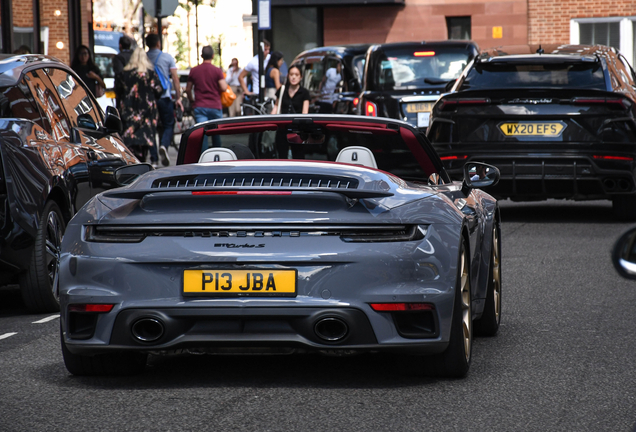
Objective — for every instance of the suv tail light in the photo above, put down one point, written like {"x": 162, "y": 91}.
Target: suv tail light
{"x": 616, "y": 103}
{"x": 370, "y": 109}
{"x": 451, "y": 104}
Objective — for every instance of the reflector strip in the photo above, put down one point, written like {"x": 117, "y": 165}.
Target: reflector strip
{"x": 424, "y": 53}
{"x": 623, "y": 158}
{"x": 454, "y": 157}
{"x": 97, "y": 308}
{"x": 242, "y": 193}
{"x": 400, "y": 307}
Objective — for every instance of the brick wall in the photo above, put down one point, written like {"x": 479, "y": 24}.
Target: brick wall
{"x": 426, "y": 20}
{"x": 549, "y": 20}
{"x": 58, "y": 25}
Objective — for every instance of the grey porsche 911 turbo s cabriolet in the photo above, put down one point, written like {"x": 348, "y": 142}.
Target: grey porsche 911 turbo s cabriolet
{"x": 360, "y": 243}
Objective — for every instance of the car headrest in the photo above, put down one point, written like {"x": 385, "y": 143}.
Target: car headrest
{"x": 358, "y": 156}
{"x": 217, "y": 154}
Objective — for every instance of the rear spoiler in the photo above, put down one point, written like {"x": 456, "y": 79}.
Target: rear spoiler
{"x": 141, "y": 193}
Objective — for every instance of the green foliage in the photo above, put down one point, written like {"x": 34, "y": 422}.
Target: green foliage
{"x": 215, "y": 42}
{"x": 182, "y": 49}
{"x": 188, "y": 5}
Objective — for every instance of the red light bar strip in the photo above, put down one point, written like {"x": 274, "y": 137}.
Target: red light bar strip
{"x": 400, "y": 307}
{"x": 623, "y": 158}
{"x": 96, "y": 308}
{"x": 242, "y": 193}
{"x": 454, "y": 157}
{"x": 424, "y": 53}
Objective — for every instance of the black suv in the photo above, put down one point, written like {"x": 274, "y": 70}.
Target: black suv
{"x": 558, "y": 121}
{"x": 404, "y": 80}
{"x": 57, "y": 150}
{"x": 320, "y": 65}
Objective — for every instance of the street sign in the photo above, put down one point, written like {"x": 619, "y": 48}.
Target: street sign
{"x": 167, "y": 7}
{"x": 264, "y": 15}
{"x": 251, "y": 19}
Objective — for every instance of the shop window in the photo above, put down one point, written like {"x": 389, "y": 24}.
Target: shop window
{"x": 601, "y": 33}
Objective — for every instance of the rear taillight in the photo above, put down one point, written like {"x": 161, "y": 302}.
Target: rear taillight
{"x": 609, "y": 157}
{"x": 356, "y": 101}
{"x": 616, "y": 103}
{"x": 199, "y": 193}
{"x": 399, "y": 307}
{"x": 89, "y": 307}
{"x": 451, "y": 104}
{"x": 370, "y": 109}
{"x": 460, "y": 157}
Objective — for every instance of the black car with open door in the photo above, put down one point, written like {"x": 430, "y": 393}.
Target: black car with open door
{"x": 404, "y": 80}
{"x": 558, "y": 121}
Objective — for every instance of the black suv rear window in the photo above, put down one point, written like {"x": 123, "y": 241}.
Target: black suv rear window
{"x": 410, "y": 68}
{"x": 512, "y": 75}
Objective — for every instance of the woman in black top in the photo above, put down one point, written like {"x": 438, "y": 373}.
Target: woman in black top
{"x": 295, "y": 100}
{"x": 296, "y": 97}
{"x": 87, "y": 70}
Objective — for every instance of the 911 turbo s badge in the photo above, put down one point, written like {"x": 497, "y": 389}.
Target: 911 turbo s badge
{"x": 234, "y": 245}
{"x": 534, "y": 129}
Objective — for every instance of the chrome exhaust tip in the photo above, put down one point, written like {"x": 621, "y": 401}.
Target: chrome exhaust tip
{"x": 147, "y": 329}
{"x": 331, "y": 329}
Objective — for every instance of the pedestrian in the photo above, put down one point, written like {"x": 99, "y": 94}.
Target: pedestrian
{"x": 208, "y": 82}
{"x": 252, "y": 68}
{"x": 294, "y": 100}
{"x": 272, "y": 74}
{"x": 138, "y": 88}
{"x": 232, "y": 78}
{"x": 166, "y": 68}
{"x": 125, "y": 51}
{"x": 85, "y": 67}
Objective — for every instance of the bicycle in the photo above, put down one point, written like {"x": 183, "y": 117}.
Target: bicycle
{"x": 253, "y": 107}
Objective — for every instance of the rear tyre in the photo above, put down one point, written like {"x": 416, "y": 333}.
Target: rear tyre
{"x": 455, "y": 361}
{"x": 112, "y": 364}
{"x": 624, "y": 207}
{"x": 488, "y": 324}
{"x": 38, "y": 283}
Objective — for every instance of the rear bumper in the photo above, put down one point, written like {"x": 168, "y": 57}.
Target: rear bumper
{"x": 536, "y": 176}
{"x": 283, "y": 329}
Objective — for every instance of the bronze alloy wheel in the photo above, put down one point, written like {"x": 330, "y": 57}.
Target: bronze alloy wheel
{"x": 467, "y": 319}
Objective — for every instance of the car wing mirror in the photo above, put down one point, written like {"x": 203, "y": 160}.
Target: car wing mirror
{"x": 112, "y": 121}
{"x": 624, "y": 255}
{"x": 127, "y": 174}
{"x": 479, "y": 175}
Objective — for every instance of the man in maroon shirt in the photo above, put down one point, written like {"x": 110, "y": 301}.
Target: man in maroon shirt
{"x": 208, "y": 82}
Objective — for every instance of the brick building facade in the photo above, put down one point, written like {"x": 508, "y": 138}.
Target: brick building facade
{"x": 54, "y": 25}
{"x": 492, "y": 22}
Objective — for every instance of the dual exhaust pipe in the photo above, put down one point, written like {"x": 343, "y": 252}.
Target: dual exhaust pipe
{"x": 329, "y": 329}
{"x": 621, "y": 184}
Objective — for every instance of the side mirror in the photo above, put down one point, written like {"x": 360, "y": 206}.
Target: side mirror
{"x": 127, "y": 174}
{"x": 479, "y": 175}
{"x": 85, "y": 121}
{"x": 624, "y": 255}
{"x": 112, "y": 121}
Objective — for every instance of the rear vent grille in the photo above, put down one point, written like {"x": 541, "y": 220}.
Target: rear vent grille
{"x": 353, "y": 233}
{"x": 256, "y": 180}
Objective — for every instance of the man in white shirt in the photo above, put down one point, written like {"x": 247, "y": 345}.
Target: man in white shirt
{"x": 252, "y": 67}
{"x": 331, "y": 79}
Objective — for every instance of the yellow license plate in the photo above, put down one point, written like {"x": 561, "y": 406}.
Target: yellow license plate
{"x": 110, "y": 94}
{"x": 253, "y": 282}
{"x": 541, "y": 129}
{"x": 419, "y": 107}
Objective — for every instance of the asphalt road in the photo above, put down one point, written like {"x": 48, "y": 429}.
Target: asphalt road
{"x": 563, "y": 360}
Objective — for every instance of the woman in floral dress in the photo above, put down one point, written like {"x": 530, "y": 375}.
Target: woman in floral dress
{"x": 138, "y": 87}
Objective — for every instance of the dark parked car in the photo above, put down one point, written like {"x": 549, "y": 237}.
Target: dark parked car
{"x": 404, "y": 80}
{"x": 320, "y": 65}
{"x": 57, "y": 150}
{"x": 558, "y": 121}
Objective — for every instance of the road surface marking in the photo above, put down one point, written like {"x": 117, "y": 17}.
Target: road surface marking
{"x": 6, "y": 335}
{"x": 47, "y": 319}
